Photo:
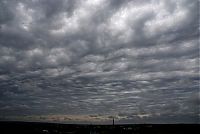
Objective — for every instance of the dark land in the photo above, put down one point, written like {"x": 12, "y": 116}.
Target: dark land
{"x": 15, "y": 127}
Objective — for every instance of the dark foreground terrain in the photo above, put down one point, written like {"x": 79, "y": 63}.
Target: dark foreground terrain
{"x": 53, "y": 128}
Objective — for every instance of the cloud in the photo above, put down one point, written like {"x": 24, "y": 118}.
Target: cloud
{"x": 100, "y": 57}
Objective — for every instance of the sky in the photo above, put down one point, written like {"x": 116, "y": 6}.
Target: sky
{"x": 86, "y": 61}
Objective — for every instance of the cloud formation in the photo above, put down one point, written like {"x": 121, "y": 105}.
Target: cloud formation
{"x": 106, "y": 57}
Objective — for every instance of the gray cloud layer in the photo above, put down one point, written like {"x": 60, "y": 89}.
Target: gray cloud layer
{"x": 112, "y": 57}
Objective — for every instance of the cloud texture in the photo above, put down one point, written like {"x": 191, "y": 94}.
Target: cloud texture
{"x": 108, "y": 57}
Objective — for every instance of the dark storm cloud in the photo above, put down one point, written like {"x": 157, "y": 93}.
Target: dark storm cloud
{"x": 116, "y": 57}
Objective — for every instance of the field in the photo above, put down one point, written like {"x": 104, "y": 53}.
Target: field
{"x": 7, "y": 127}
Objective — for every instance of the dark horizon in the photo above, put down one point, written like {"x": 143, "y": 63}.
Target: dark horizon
{"x": 53, "y": 128}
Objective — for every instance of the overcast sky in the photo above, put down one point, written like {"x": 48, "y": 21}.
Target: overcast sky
{"x": 89, "y": 60}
